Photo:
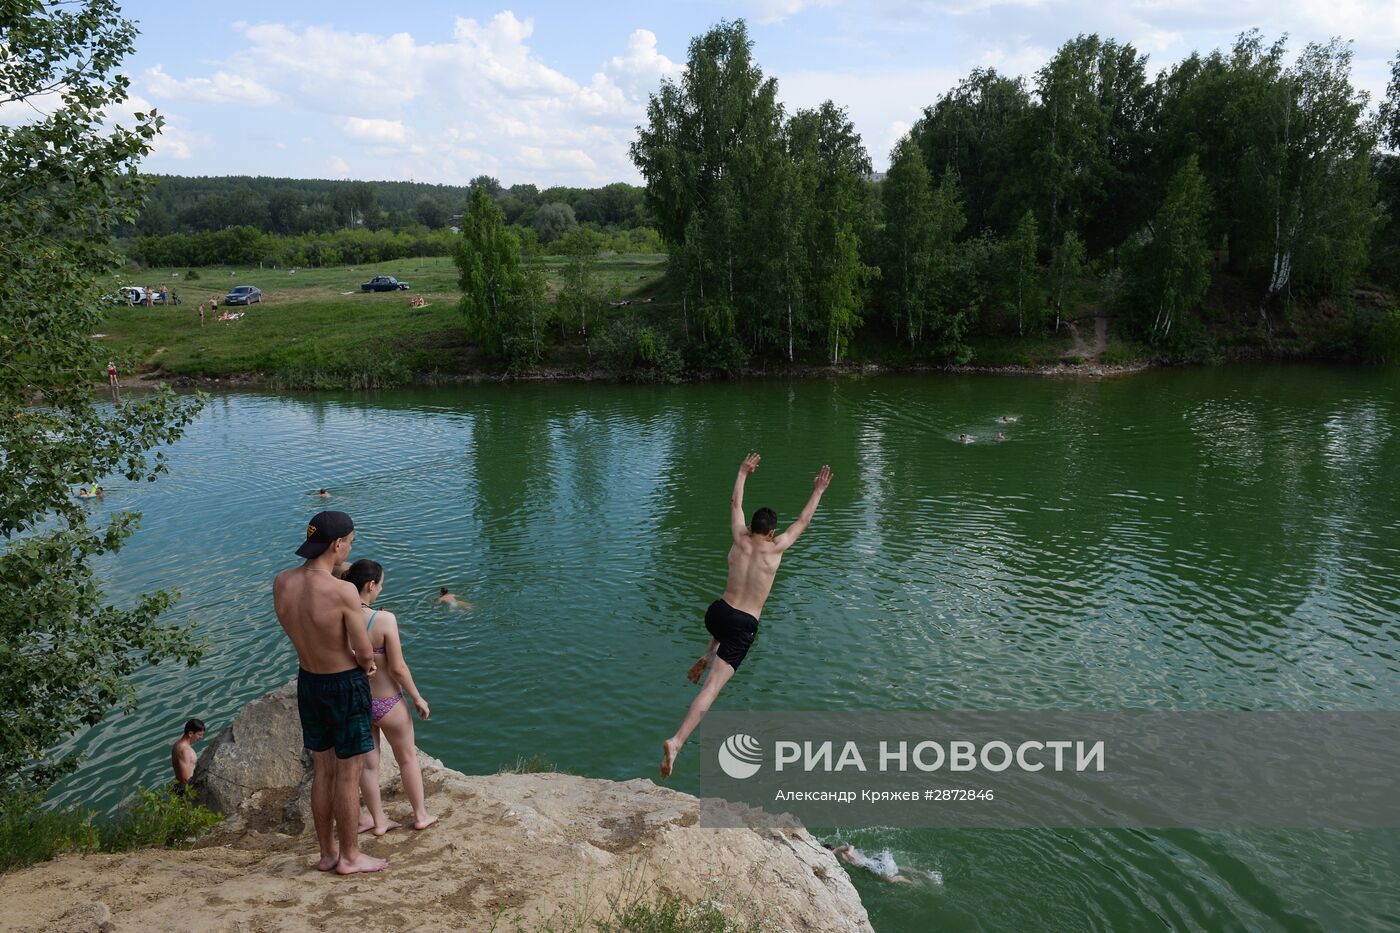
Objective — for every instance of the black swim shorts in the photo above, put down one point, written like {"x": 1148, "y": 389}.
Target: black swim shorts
{"x": 334, "y": 710}
{"x": 734, "y": 630}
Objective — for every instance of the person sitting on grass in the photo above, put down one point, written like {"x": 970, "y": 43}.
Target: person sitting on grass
{"x": 182, "y": 756}
{"x": 391, "y": 692}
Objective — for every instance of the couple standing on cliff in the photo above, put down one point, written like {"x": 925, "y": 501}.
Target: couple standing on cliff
{"x": 323, "y": 617}
{"x": 325, "y": 608}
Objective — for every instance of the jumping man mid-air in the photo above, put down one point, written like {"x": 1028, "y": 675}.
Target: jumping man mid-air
{"x": 733, "y": 620}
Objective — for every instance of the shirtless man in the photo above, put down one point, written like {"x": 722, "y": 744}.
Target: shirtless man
{"x": 322, "y": 617}
{"x": 733, "y": 620}
{"x": 182, "y": 756}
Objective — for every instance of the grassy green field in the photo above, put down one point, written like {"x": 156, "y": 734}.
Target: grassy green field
{"x": 315, "y": 328}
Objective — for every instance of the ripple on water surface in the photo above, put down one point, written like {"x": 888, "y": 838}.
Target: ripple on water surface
{"x": 1174, "y": 540}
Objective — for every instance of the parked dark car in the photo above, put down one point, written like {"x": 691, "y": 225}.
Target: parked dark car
{"x": 243, "y": 295}
{"x": 384, "y": 283}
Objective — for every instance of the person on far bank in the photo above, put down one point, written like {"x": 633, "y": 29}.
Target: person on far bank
{"x": 182, "y": 756}
{"x": 321, "y": 615}
{"x": 732, "y": 620}
{"x": 392, "y": 690}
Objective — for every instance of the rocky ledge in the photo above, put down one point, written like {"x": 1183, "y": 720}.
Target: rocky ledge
{"x": 510, "y": 852}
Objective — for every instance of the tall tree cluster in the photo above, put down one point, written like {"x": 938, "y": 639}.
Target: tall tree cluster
{"x": 764, "y": 213}
{"x": 1011, "y": 201}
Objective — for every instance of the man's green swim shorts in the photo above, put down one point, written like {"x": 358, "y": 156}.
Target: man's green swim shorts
{"x": 334, "y": 711}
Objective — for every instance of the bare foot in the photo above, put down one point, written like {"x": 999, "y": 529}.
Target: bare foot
{"x": 328, "y": 862}
{"x": 361, "y": 863}
{"x": 425, "y": 822}
{"x": 388, "y": 825}
{"x": 696, "y": 669}
{"x": 668, "y": 756}
{"x": 366, "y": 823}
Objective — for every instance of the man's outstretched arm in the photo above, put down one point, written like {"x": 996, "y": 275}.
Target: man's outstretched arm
{"x": 737, "y": 525}
{"x": 794, "y": 531}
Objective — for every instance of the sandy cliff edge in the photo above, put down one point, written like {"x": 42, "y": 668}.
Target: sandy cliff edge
{"x": 516, "y": 850}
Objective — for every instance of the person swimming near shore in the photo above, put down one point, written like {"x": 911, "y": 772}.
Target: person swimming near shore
{"x": 322, "y": 494}
{"x": 732, "y": 620}
{"x": 85, "y": 493}
{"x": 883, "y": 866}
{"x": 964, "y": 439}
{"x": 391, "y": 692}
{"x": 448, "y": 598}
{"x": 1001, "y": 436}
{"x": 1009, "y": 419}
{"x": 182, "y": 756}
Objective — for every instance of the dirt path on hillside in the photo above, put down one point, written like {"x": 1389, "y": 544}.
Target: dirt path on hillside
{"x": 1084, "y": 349}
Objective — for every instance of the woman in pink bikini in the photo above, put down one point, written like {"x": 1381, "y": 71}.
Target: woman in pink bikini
{"x": 391, "y": 690}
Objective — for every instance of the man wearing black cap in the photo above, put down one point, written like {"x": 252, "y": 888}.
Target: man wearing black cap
{"x": 322, "y": 617}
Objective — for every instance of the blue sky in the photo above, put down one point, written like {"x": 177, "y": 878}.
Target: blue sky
{"x": 550, "y": 93}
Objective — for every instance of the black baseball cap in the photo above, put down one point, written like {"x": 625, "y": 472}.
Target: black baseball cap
{"x": 325, "y": 529}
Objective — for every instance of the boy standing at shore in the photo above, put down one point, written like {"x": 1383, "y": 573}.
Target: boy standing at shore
{"x": 182, "y": 756}
{"x": 321, "y": 615}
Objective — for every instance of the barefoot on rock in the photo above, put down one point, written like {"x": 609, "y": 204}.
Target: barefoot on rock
{"x": 328, "y": 862}
{"x": 425, "y": 822}
{"x": 362, "y": 863}
{"x": 388, "y": 825}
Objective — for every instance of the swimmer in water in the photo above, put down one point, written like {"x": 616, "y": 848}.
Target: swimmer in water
{"x": 964, "y": 439}
{"x": 322, "y": 494}
{"x": 84, "y": 494}
{"x": 1000, "y": 436}
{"x": 883, "y": 868}
{"x": 1007, "y": 419}
{"x": 448, "y": 599}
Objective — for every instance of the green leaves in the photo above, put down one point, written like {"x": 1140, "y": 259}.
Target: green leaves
{"x": 504, "y": 305}
{"x": 1174, "y": 267}
{"x": 65, "y": 183}
{"x": 764, "y": 216}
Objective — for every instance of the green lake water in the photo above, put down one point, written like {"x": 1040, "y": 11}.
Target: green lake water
{"x": 1184, "y": 539}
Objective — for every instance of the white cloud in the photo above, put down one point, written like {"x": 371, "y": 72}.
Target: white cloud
{"x": 369, "y": 129}
{"x": 482, "y": 98}
{"x": 545, "y": 159}
{"x": 638, "y": 71}
{"x": 221, "y": 88}
{"x": 890, "y": 100}
{"x": 338, "y": 167}
{"x": 775, "y": 11}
